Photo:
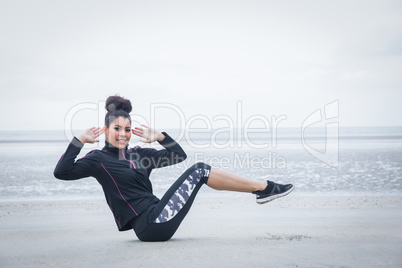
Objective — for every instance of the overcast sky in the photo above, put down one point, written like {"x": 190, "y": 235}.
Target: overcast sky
{"x": 201, "y": 57}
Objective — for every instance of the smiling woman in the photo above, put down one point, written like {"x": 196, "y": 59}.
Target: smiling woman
{"x": 118, "y": 121}
{"x": 119, "y": 132}
{"x": 124, "y": 175}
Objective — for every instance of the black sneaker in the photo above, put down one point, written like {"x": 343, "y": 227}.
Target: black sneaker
{"x": 273, "y": 191}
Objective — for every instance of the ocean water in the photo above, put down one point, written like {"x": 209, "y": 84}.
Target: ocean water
{"x": 355, "y": 161}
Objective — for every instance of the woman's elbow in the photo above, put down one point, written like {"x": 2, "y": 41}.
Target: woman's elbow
{"x": 179, "y": 157}
{"x": 183, "y": 157}
{"x": 60, "y": 175}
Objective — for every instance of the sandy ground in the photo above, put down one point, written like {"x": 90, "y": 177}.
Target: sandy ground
{"x": 227, "y": 231}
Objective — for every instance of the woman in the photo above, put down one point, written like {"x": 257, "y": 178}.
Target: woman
{"x": 124, "y": 175}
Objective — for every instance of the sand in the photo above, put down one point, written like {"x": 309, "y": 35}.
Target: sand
{"x": 225, "y": 231}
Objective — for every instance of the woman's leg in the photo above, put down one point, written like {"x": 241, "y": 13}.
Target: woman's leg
{"x": 164, "y": 219}
{"x": 222, "y": 180}
{"x": 265, "y": 191}
{"x": 161, "y": 223}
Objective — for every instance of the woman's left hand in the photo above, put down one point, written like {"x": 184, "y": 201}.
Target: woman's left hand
{"x": 147, "y": 134}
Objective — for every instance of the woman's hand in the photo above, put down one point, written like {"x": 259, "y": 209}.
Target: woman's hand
{"x": 90, "y": 135}
{"x": 147, "y": 134}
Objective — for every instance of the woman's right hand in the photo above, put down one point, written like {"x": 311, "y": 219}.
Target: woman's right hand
{"x": 90, "y": 135}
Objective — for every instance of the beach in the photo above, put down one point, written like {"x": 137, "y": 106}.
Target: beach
{"x": 229, "y": 230}
{"x": 344, "y": 216}
{"x": 297, "y": 92}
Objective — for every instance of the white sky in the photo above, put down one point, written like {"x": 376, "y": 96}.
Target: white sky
{"x": 276, "y": 57}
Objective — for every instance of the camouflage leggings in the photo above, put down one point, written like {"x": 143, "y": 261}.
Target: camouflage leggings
{"x": 160, "y": 222}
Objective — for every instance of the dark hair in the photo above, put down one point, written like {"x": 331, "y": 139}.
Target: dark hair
{"x": 117, "y": 106}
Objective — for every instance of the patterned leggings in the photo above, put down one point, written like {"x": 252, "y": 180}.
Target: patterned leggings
{"x": 160, "y": 221}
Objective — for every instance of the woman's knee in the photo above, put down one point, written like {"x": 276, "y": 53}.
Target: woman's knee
{"x": 201, "y": 165}
{"x": 204, "y": 170}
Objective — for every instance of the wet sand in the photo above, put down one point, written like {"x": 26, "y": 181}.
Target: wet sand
{"x": 226, "y": 231}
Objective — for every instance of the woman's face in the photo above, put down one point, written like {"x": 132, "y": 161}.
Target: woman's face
{"x": 119, "y": 132}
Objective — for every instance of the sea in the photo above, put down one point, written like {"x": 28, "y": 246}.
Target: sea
{"x": 318, "y": 161}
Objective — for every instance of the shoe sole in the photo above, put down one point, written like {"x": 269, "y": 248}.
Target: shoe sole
{"x": 273, "y": 197}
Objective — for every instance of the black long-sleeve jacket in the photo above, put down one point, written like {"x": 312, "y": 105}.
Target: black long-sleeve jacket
{"x": 123, "y": 174}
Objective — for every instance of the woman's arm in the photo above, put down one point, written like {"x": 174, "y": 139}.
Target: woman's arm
{"x": 148, "y": 134}
{"x": 172, "y": 154}
{"x": 90, "y": 135}
{"x": 69, "y": 169}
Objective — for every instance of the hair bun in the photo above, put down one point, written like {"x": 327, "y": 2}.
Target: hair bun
{"x": 118, "y": 103}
